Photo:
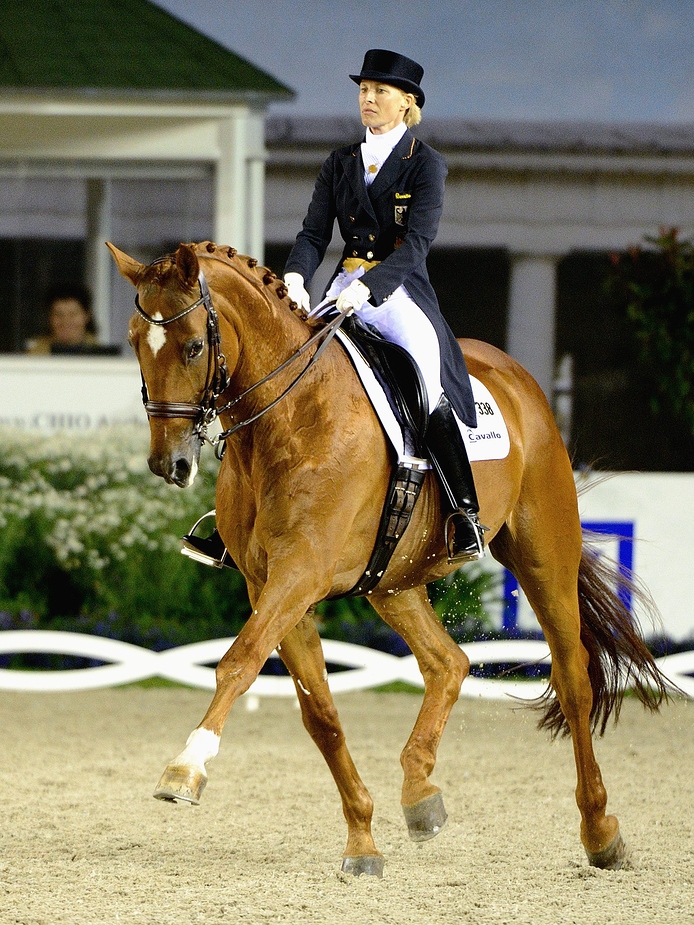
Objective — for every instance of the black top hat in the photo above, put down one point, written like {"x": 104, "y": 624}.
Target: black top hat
{"x": 391, "y": 68}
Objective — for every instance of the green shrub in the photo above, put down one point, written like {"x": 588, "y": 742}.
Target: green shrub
{"x": 654, "y": 284}
{"x": 89, "y": 540}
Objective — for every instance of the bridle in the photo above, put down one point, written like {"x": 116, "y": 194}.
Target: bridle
{"x": 217, "y": 380}
{"x": 217, "y": 377}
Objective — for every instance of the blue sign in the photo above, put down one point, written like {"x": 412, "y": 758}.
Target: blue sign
{"x": 620, "y": 530}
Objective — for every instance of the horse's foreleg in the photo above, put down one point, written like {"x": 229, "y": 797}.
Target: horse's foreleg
{"x": 301, "y": 652}
{"x": 278, "y": 609}
{"x": 444, "y": 667}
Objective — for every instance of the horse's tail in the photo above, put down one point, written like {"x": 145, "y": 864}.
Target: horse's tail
{"x": 619, "y": 657}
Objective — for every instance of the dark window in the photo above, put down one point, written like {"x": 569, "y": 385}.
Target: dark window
{"x": 472, "y": 288}
{"x": 613, "y": 425}
{"x": 28, "y": 269}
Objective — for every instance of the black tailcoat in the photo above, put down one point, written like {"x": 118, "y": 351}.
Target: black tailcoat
{"x": 395, "y": 221}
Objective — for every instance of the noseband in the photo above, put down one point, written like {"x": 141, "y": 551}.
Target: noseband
{"x": 207, "y": 409}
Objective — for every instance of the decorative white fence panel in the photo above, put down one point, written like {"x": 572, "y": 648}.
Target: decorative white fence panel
{"x": 365, "y": 668}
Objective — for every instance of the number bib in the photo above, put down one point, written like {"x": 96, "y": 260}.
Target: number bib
{"x": 489, "y": 440}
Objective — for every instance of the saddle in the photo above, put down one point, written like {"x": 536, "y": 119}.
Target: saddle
{"x": 399, "y": 377}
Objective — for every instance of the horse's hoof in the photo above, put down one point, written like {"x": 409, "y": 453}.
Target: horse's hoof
{"x": 614, "y": 857}
{"x": 369, "y": 864}
{"x": 426, "y": 818}
{"x": 181, "y": 783}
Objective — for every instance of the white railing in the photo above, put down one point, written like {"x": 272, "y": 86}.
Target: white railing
{"x": 365, "y": 668}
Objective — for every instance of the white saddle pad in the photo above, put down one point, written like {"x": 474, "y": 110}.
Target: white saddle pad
{"x": 489, "y": 440}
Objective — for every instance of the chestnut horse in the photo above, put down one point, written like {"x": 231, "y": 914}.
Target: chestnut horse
{"x": 299, "y": 497}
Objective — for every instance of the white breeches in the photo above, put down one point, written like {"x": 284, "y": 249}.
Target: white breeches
{"x": 401, "y": 322}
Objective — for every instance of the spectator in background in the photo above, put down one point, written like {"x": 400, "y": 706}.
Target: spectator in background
{"x": 70, "y": 319}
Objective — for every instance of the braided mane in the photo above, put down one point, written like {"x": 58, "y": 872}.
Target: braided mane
{"x": 160, "y": 271}
{"x": 247, "y": 267}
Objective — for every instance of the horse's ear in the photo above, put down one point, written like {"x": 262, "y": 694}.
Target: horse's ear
{"x": 187, "y": 265}
{"x": 128, "y": 266}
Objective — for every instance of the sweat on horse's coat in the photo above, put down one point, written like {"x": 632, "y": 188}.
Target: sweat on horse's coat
{"x": 299, "y": 495}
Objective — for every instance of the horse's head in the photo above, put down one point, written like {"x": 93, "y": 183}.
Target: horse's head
{"x": 172, "y": 347}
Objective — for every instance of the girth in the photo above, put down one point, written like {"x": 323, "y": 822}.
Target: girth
{"x": 403, "y": 491}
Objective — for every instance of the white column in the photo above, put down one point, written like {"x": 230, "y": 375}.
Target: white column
{"x": 98, "y": 258}
{"x": 230, "y": 184}
{"x": 256, "y": 156}
{"x": 531, "y": 329}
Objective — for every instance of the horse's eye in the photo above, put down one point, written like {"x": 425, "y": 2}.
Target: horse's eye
{"x": 195, "y": 348}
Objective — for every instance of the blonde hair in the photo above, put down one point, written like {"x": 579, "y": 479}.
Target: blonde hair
{"x": 413, "y": 116}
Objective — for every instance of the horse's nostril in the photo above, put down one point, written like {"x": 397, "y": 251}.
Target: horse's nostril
{"x": 181, "y": 470}
{"x": 177, "y": 470}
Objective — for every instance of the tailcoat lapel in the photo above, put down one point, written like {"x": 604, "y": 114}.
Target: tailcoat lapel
{"x": 390, "y": 171}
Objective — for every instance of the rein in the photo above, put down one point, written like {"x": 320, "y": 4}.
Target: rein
{"x": 206, "y": 411}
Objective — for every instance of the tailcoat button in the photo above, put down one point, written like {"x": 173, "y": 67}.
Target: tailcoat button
{"x": 369, "y": 255}
{"x": 372, "y": 237}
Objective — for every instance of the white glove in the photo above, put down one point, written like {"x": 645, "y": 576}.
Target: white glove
{"x": 296, "y": 291}
{"x": 352, "y": 297}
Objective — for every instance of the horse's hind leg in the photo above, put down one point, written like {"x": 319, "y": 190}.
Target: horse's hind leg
{"x": 542, "y": 547}
{"x": 444, "y": 667}
{"x": 571, "y": 683}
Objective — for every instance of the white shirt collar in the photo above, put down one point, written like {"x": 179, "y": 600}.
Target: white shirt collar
{"x": 375, "y": 149}
{"x": 382, "y": 145}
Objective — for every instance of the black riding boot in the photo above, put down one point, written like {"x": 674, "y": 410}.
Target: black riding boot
{"x": 464, "y": 533}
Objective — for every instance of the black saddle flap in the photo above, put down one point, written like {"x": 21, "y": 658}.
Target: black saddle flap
{"x": 397, "y": 373}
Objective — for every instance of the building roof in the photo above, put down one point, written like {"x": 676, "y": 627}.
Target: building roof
{"x": 83, "y": 46}
{"x": 635, "y": 138}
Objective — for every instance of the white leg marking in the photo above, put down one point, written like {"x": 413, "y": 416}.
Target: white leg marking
{"x": 156, "y": 335}
{"x": 202, "y": 745}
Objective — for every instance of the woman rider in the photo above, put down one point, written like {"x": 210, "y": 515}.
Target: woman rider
{"x": 387, "y": 196}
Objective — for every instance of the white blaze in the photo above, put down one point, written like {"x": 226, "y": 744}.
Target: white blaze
{"x": 156, "y": 335}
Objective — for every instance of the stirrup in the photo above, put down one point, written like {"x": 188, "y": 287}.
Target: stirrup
{"x": 468, "y": 547}
{"x": 208, "y": 550}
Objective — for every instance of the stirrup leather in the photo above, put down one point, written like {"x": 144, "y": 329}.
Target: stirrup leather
{"x": 467, "y": 523}
{"x": 206, "y": 550}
